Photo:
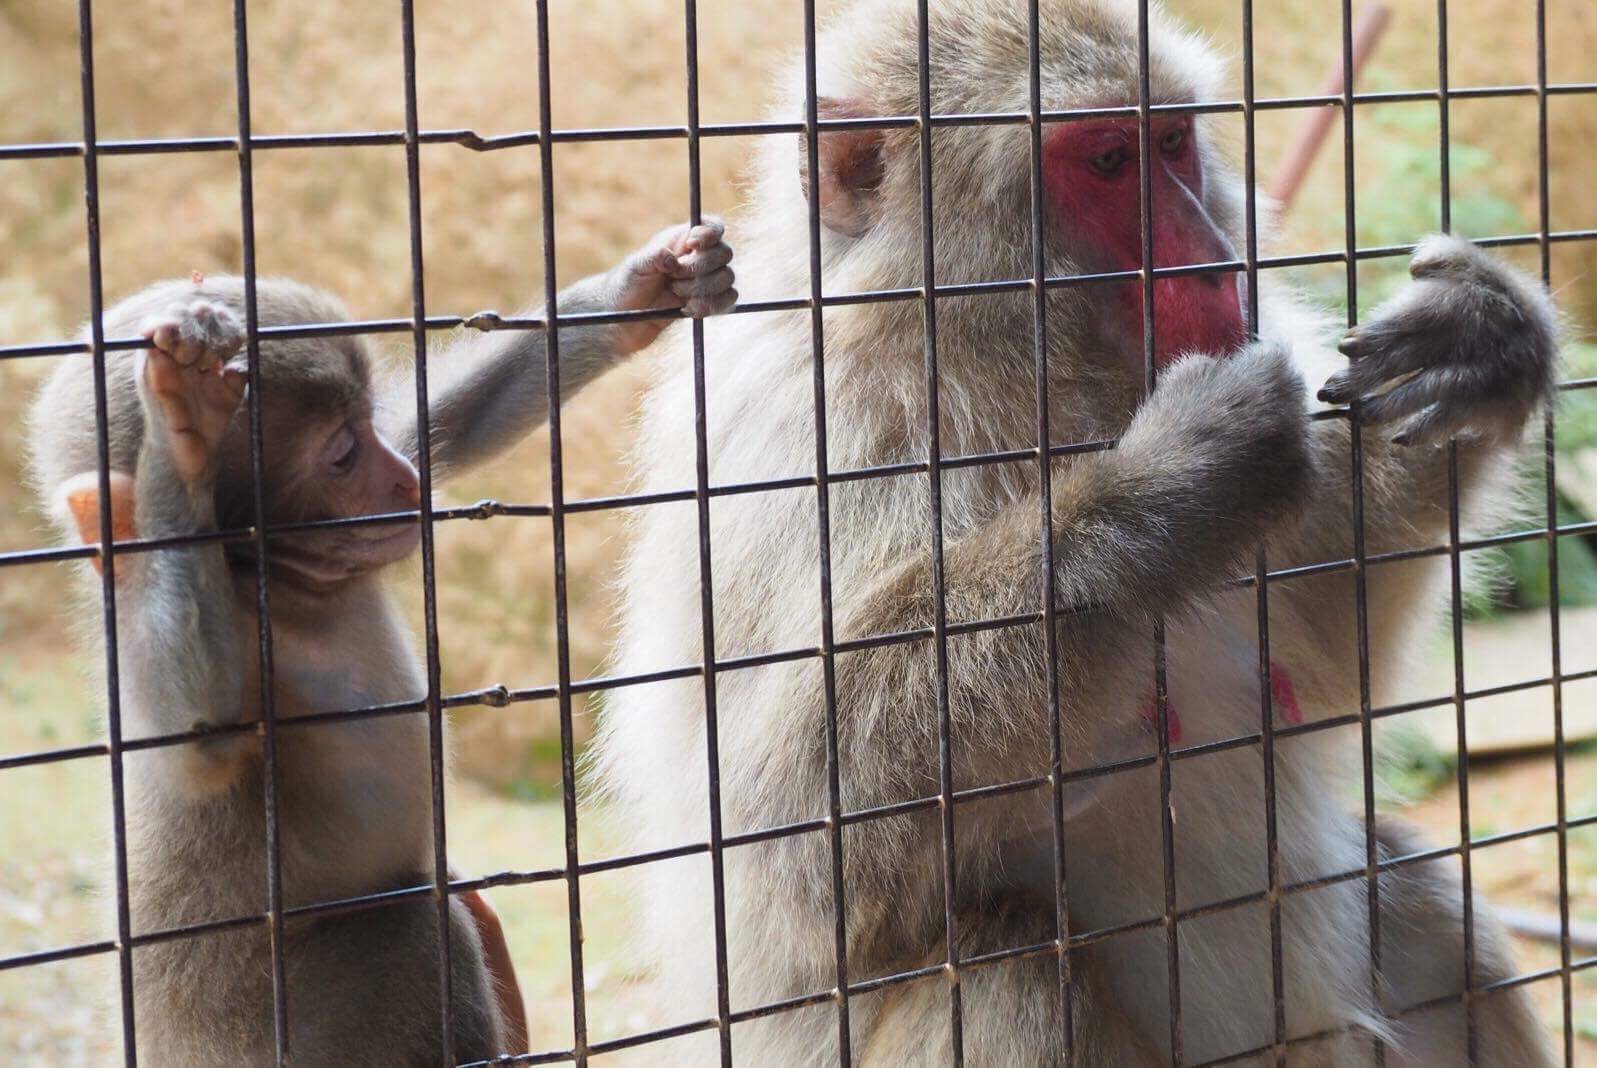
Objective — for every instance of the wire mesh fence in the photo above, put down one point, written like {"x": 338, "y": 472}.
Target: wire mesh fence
{"x": 948, "y": 801}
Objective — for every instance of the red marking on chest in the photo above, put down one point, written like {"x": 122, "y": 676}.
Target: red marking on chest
{"x": 1283, "y": 696}
{"x": 1150, "y": 715}
{"x": 1283, "y": 699}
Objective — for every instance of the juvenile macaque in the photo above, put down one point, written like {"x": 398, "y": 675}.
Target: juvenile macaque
{"x": 1218, "y": 459}
{"x": 354, "y": 798}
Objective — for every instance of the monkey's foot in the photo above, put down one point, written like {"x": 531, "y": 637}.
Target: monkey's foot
{"x": 190, "y": 379}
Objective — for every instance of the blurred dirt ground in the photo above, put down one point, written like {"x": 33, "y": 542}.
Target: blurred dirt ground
{"x": 337, "y": 217}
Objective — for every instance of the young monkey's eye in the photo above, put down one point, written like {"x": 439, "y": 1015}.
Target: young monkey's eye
{"x": 1173, "y": 141}
{"x": 1109, "y": 163}
{"x": 342, "y": 450}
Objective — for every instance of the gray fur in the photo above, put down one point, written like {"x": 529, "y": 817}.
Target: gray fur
{"x": 355, "y": 805}
{"x": 1218, "y": 457}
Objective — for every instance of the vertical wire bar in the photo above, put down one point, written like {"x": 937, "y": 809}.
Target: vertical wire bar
{"x": 701, "y": 493}
{"x": 934, "y": 471}
{"x": 1161, "y": 686}
{"x": 435, "y": 713}
{"x": 1045, "y": 476}
{"x": 263, "y": 605}
{"x": 1361, "y": 601}
{"x": 1456, "y": 572}
{"x": 557, "y": 523}
{"x": 1272, "y": 851}
{"x": 823, "y": 524}
{"x": 1550, "y": 462}
{"x": 91, "y": 215}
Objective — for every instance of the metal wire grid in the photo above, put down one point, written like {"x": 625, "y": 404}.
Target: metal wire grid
{"x": 948, "y": 798}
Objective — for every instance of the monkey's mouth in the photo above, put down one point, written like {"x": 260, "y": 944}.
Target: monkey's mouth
{"x": 1203, "y": 314}
{"x": 323, "y": 558}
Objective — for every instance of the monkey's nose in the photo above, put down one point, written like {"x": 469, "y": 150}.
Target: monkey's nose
{"x": 410, "y": 491}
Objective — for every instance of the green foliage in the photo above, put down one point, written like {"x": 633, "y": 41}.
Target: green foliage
{"x": 1407, "y": 163}
{"x": 1526, "y": 562}
{"x": 1400, "y": 149}
{"x": 1409, "y": 767}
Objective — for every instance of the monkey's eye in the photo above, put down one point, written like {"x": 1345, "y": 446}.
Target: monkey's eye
{"x": 1172, "y": 143}
{"x": 343, "y": 450}
{"x": 1109, "y": 163}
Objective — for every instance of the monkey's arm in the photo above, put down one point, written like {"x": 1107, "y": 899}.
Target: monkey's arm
{"x": 1215, "y": 458}
{"x": 176, "y": 626}
{"x": 1469, "y": 348}
{"x": 489, "y": 390}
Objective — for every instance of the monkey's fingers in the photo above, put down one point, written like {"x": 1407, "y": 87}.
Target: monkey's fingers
{"x": 1442, "y": 254}
{"x": 201, "y": 333}
{"x": 704, "y": 286}
{"x": 714, "y": 304}
{"x": 1369, "y": 372}
{"x": 702, "y": 261}
{"x": 164, "y": 376}
{"x": 1403, "y": 399}
{"x": 221, "y": 393}
{"x": 1432, "y": 424}
{"x": 660, "y": 261}
{"x": 706, "y": 234}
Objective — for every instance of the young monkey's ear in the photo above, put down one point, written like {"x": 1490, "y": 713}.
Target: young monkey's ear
{"x": 849, "y": 166}
{"x": 81, "y": 494}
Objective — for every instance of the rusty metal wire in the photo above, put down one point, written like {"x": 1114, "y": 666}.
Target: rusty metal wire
{"x": 947, "y": 801}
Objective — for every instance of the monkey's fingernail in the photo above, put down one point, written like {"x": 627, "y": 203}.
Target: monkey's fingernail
{"x": 1403, "y": 438}
{"x": 1349, "y": 344}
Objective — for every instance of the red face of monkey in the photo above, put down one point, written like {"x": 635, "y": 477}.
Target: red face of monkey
{"x": 1094, "y": 183}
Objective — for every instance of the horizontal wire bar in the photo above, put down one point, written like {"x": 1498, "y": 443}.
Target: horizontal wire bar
{"x": 500, "y": 696}
{"x": 488, "y": 321}
{"x": 486, "y": 509}
{"x": 510, "y": 879}
{"x": 1002, "y": 956}
{"x": 477, "y": 142}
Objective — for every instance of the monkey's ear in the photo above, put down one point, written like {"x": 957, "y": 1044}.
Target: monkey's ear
{"x": 82, "y": 496}
{"x": 849, "y": 163}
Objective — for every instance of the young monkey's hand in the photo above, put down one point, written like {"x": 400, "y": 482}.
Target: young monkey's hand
{"x": 684, "y": 267}
{"x": 190, "y": 384}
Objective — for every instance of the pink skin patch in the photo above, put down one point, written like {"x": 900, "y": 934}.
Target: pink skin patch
{"x": 1150, "y": 715}
{"x": 1283, "y": 698}
{"x": 1094, "y": 180}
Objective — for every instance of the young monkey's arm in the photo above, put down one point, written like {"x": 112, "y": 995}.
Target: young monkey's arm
{"x": 489, "y": 390}
{"x": 176, "y": 629}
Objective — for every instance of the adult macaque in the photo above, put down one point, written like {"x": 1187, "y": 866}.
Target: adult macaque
{"x": 354, "y": 800}
{"x": 1220, "y": 457}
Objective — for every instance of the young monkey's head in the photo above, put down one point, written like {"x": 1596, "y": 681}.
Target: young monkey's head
{"x": 324, "y": 457}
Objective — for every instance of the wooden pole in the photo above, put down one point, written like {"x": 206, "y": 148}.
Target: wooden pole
{"x": 1300, "y": 158}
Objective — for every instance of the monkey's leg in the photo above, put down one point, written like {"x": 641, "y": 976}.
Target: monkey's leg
{"x": 1010, "y": 1010}
{"x": 1422, "y": 959}
{"x": 363, "y": 988}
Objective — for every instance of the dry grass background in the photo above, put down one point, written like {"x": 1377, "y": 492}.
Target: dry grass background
{"x": 336, "y": 217}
